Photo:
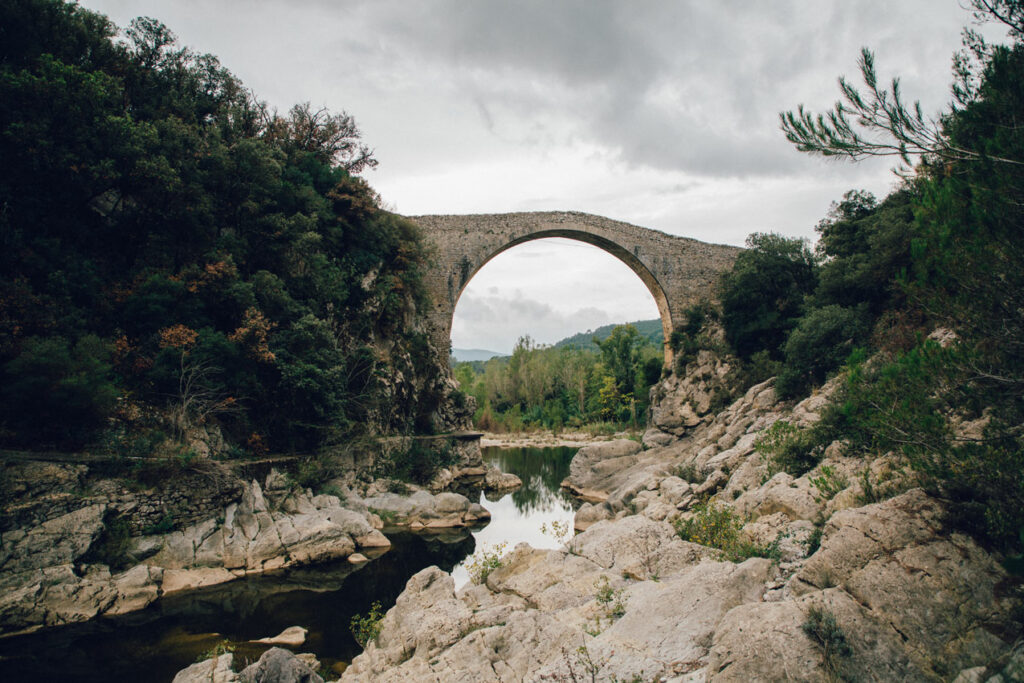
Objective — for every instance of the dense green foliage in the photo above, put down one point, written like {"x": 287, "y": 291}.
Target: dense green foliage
{"x": 556, "y": 387}
{"x": 169, "y": 244}
{"x": 946, "y": 250}
{"x": 587, "y": 341}
{"x": 807, "y": 310}
{"x": 763, "y": 295}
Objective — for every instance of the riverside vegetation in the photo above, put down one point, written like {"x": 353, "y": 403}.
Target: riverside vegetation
{"x": 832, "y": 471}
{"x": 830, "y": 487}
{"x": 553, "y": 387}
{"x": 178, "y": 256}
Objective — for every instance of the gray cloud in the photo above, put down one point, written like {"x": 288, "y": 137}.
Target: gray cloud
{"x": 495, "y": 323}
{"x": 662, "y": 113}
{"x": 684, "y": 86}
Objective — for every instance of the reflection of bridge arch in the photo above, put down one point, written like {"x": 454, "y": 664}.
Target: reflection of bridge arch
{"x": 678, "y": 271}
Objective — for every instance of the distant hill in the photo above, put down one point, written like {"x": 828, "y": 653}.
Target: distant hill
{"x": 651, "y": 329}
{"x": 468, "y": 355}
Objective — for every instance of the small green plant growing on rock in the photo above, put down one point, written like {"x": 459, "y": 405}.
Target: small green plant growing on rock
{"x": 332, "y": 490}
{"x": 717, "y": 526}
{"x": 813, "y": 540}
{"x": 388, "y": 517}
{"x": 690, "y": 473}
{"x": 829, "y": 483}
{"x": 164, "y": 525}
{"x": 484, "y": 561}
{"x": 610, "y": 601}
{"x": 562, "y": 532}
{"x": 367, "y": 627}
{"x": 789, "y": 448}
{"x": 222, "y": 648}
{"x": 823, "y": 630}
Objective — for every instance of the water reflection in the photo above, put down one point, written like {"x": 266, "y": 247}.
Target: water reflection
{"x": 518, "y": 516}
{"x": 154, "y": 644}
{"x": 542, "y": 471}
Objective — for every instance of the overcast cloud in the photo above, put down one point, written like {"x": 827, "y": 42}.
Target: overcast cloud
{"x": 661, "y": 113}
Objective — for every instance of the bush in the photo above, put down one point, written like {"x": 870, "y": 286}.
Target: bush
{"x": 367, "y": 627}
{"x": 763, "y": 295}
{"x": 717, "y": 526}
{"x": 903, "y": 404}
{"x": 418, "y": 463}
{"x": 59, "y": 391}
{"x": 823, "y": 630}
{"x": 314, "y": 470}
{"x": 821, "y": 342}
{"x": 484, "y": 561}
{"x": 222, "y": 648}
{"x": 828, "y": 483}
{"x": 689, "y": 473}
{"x": 790, "y": 449}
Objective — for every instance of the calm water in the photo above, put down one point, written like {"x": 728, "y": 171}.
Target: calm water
{"x": 154, "y": 644}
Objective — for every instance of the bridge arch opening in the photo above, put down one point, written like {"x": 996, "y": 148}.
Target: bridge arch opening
{"x": 633, "y": 266}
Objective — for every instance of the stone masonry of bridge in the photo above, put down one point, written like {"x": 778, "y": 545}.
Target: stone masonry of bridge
{"x": 678, "y": 271}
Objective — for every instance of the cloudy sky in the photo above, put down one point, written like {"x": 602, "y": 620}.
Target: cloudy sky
{"x": 661, "y": 113}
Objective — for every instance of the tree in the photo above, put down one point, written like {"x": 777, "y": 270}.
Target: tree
{"x": 763, "y": 295}
{"x": 620, "y": 352}
{"x": 864, "y": 246}
{"x": 879, "y": 122}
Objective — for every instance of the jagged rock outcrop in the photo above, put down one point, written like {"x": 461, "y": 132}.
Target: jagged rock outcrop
{"x": 849, "y": 590}
{"x": 423, "y": 510}
{"x": 276, "y": 665}
{"x": 686, "y": 400}
{"x": 48, "y": 577}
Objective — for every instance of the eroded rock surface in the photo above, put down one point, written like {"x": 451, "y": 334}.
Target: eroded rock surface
{"x": 848, "y": 591}
{"x": 48, "y": 576}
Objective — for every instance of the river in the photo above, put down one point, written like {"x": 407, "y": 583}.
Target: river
{"x": 153, "y": 644}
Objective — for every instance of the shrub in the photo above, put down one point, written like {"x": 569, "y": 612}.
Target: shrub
{"x": 484, "y": 561}
{"x": 221, "y": 648}
{"x": 417, "y": 463}
{"x": 790, "y": 449}
{"x": 367, "y": 627}
{"x": 690, "y": 473}
{"x": 763, "y": 295}
{"x": 821, "y": 342}
{"x": 903, "y": 404}
{"x": 126, "y": 443}
{"x": 823, "y": 630}
{"x": 828, "y": 483}
{"x": 313, "y": 470}
{"x": 717, "y": 526}
{"x": 712, "y": 525}
{"x": 58, "y": 391}
{"x": 165, "y": 524}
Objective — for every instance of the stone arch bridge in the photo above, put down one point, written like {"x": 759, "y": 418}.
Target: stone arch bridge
{"x": 678, "y": 271}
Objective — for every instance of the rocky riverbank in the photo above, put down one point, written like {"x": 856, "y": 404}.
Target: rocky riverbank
{"x": 76, "y": 546}
{"x": 844, "y": 573}
{"x": 545, "y": 439}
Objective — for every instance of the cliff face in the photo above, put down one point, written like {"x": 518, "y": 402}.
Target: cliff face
{"x": 700, "y": 561}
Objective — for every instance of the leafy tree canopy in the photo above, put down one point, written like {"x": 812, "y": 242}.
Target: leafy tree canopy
{"x": 154, "y": 207}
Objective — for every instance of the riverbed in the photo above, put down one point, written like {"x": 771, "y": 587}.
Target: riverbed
{"x": 155, "y": 643}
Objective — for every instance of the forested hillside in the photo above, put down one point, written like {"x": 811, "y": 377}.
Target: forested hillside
{"x": 552, "y": 387}
{"x": 175, "y": 253}
{"x": 648, "y": 329}
{"x": 917, "y": 298}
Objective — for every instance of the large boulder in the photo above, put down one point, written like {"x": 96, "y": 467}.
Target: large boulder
{"x": 599, "y": 468}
